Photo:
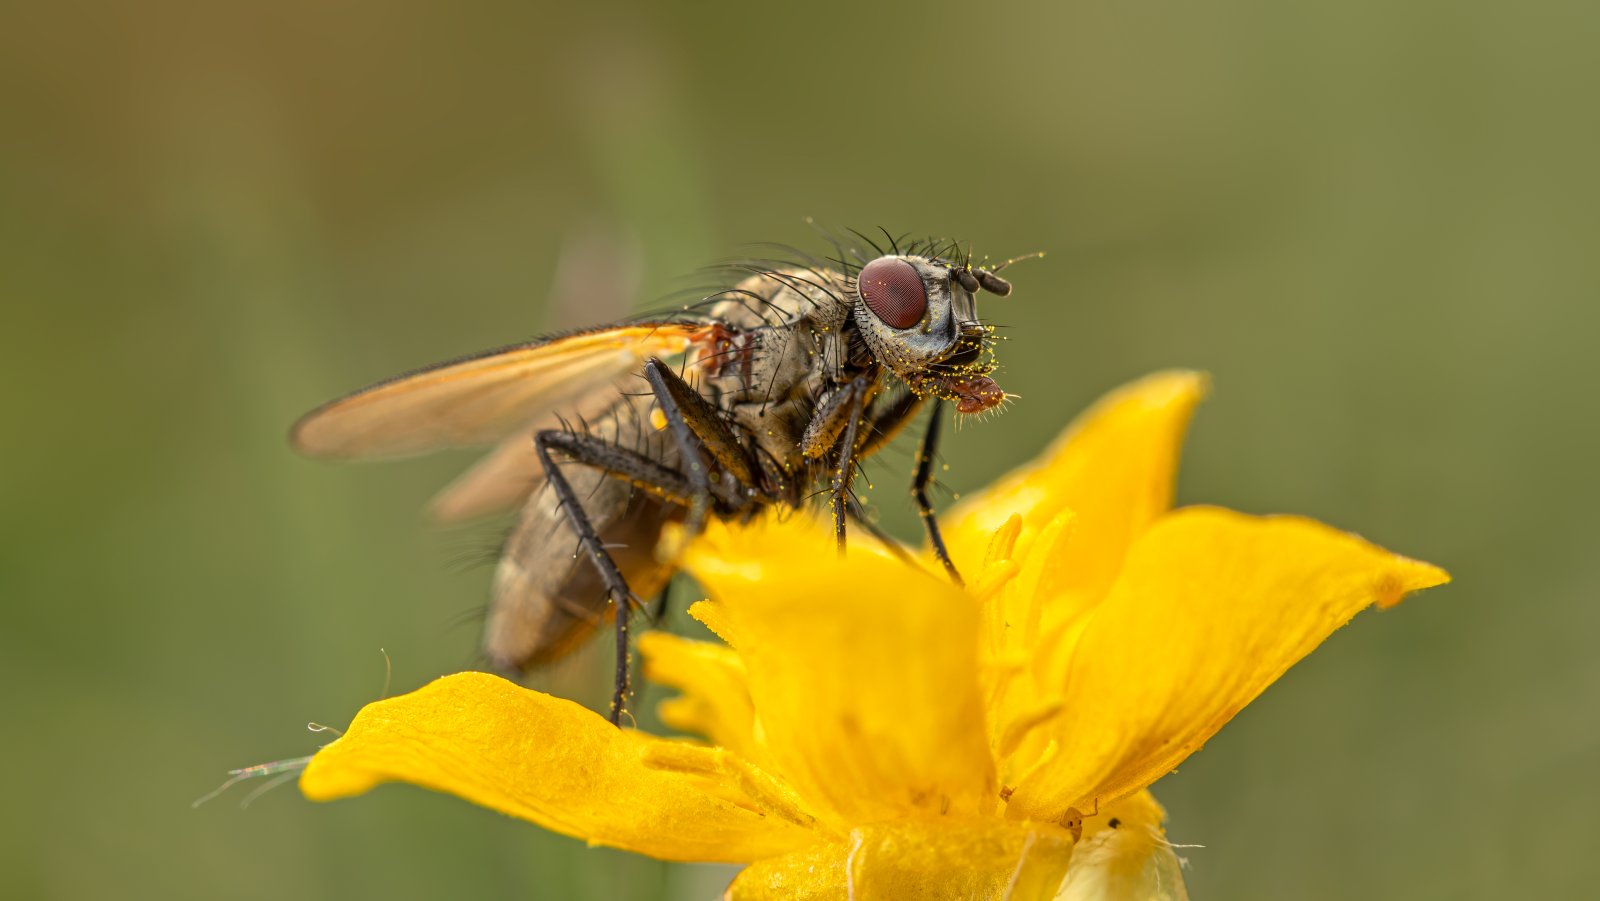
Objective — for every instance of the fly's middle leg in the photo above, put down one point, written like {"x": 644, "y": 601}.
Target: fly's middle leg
{"x": 859, "y": 517}
{"x": 663, "y": 604}
{"x": 697, "y": 426}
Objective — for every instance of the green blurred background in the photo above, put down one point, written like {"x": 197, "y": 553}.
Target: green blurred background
{"x": 1375, "y": 223}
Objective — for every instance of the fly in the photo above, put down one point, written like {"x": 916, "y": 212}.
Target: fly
{"x": 782, "y": 382}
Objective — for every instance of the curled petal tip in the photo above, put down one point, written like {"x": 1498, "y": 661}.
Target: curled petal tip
{"x": 1410, "y": 576}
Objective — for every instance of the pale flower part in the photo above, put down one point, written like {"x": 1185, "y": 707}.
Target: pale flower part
{"x": 1125, "y": 856}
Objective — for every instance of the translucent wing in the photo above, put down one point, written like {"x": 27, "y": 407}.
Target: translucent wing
{"x": 482, "y": 399}
{"x": 499, "y": 481}
{"x": 505, "y": 476}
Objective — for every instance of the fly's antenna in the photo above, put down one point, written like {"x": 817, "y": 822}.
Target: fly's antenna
{"x": 988, "y": 277}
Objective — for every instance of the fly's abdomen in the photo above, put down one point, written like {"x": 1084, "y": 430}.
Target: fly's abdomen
{"x": 548, "y": 596}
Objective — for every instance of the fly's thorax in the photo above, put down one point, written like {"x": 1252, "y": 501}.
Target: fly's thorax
{"x": 772, "y": 398}
{"x": 781, "y": 342}
{"x": 770, "y": 298}
{"x": 921, "y": 322}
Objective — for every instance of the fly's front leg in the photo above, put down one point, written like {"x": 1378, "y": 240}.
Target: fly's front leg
{"x": 838, "y": 412}
{"x": 919, "y": 490}
{"x": 697, "y": 425}
{"x": 833, "y": 413}
{"x": 622, "y": 463}
{"x": 884, "y": 420}
{"x": 847, "y": 459}
{"x": 887, "y": 419}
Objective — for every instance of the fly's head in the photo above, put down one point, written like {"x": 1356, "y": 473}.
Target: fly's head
{"x": 919, "y": 317}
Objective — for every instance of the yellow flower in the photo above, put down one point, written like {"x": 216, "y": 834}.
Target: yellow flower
{"x": 876, "y": 732}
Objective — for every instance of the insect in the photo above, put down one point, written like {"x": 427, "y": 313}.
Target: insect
{"x": 751, "y": 398}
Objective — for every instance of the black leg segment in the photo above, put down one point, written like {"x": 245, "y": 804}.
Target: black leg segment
{"x": 859, "y": 517}
{"x": 847, "y": 460}
{"x": 886, "y": 419}
{"x": 919, "y": 490}
{"x": 696, "y": 426}
{"x": 616, "y": 585}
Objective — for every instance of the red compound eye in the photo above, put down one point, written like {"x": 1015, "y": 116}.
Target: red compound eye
{"x": 893, "y": 291}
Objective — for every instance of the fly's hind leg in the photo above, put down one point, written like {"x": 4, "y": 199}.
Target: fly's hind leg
{"x": 919, "y": 490}
{"x": 625, "y": 464}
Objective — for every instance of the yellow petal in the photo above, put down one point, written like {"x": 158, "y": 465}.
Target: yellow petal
{"x": 1124, "y": 854}
{"x": 862, "y": 670}
{"x": 1211, "y": 608}
{"x": 1114, "y": 467}
{"x": 715, "y": 700}
{"x": 927, "y": 860}
{"x": 1013, "y": 604}
{"x": 545, "y": 760}
{"x": 710, "y": 614}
